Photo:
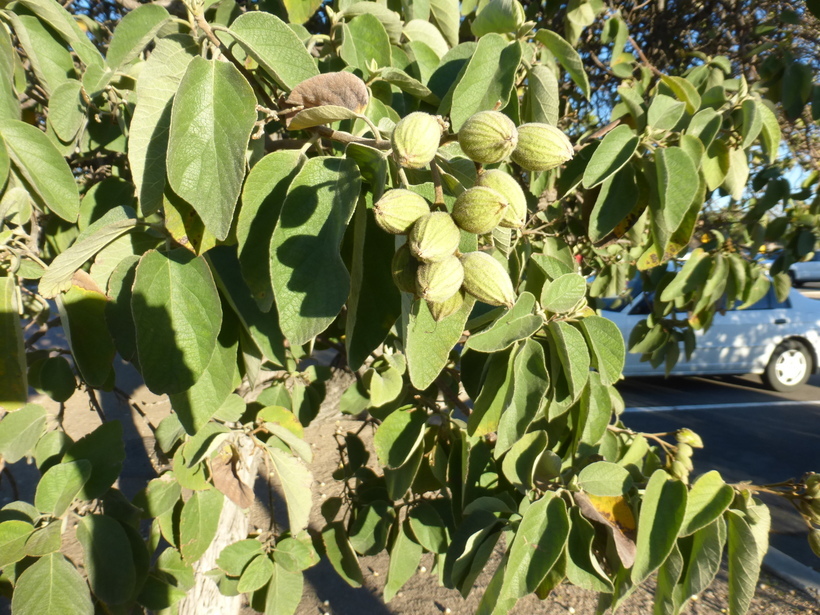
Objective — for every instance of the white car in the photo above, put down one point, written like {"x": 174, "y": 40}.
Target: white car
{"x": 779, "y": 341}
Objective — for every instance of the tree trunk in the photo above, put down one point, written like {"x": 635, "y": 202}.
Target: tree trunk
{"x": 204, "y": 598}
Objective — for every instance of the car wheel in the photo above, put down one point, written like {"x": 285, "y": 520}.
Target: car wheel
{"x": 789, "y": 366}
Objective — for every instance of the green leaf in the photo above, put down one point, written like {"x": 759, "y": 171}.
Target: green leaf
{"x": 662, "y": 513}
{"x": 296, "y": 481}
{"x": 539, "y": 541}
{"x": 370, "y": 41}
{"x": 677, "y": 186}
{"x": 13, "y": 371}
{"x": 428, "y": 343}
{"x": 408, "y": 84}
{"x": 177, "y": 317}
{"x": 341, "y": 555}
{"x": 616, "y": 149}
{"x": 19, "y": 432}
{"x": 134, "y": 31}
{"x": 665, "y": 112}
{"x": 13, "y": 536}
{"x": 488, "y": 79}
{"x": 198, "y": 523}
{"x": 494, "y": 394}
{"x": 715, "y": 164}
{"x": 744, "y": 565}
{"x": 564, "y": 293}
{"x": 446, "y": 16}
{"x": 568, "y": 58}
{"x": 233, "y": 558}
{"x": 262, "y": 197}
{"x": 159, "y": 496}
{"x": 107, "y": 558}
{"x": 606, "y": 345}
{"x": 708, "y": 499}
{"x": 44, "y": 540}
{"x": 66, "y": 110}
{"x": 705, "y": 125}
{"x": 541, "y": 100}
{"x": 51, "y": 586}
{"x": 318, "y": 116}
{"x": 573, "y": 354}
{"x": 530, "y": 384}
{"x": 104, "y": 449}
{"x": 310, "y": 281}
{"x": 284, "y": 592}
{"x": 704, "y": 552}
{"x": 520, "y": 461}
{"x": 148, "y": 135}
{"x": 60, "y": 485}
{"x": 513, "y": 325}
{"x": 398, "y": 436}
{"x": 67, "y": 27}
{"x": 82, "y": 310}
{"x": 374, "y": 304}
{"x": 294, "y": 555}
{"x": 605, "y": 479}
{"x": 256, "y": 574}
{"x": 112, "y": 225}
{"x": 752, "y": 121}
{"x": 50, "y": 61}
{"x": 770, "y": 131}
{"x": 738, "y": 175}
{"x": 262, "y": 328}
{"x": 277, "y": 49}
{"x": 617, "y": 208}
{"x": 428, "y": 527}
{"x": 685, "y": 91}
{"x": 42, "y": 167}
{"x": 211, "y": 122}
{"x": 796, "y": 88}
{"x": 404, "y": 559}
{"x": 583, "y": 567}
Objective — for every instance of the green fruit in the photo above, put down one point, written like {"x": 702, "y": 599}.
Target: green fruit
{"x": 479, "y": 210}
{"x": 442, "y": 309}
{"x": 487, "y": 280}
{"x": 488, "y": 137}
{"x": 507, "y": 186}
{"x": 416, "y": 139}
{"x": 434, "y": 237}
{"x": 689, "y": 437}
{"x": 404, "y": 268}
{"x": 541, "y": 147}
{"x": 397, "y": 211}
{"x": 441, "y": 280}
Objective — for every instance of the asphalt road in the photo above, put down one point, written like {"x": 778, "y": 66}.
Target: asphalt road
{"x": 748, "y": 431}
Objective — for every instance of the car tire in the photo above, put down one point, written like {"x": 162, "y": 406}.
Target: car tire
{"x": 789, "y": 366}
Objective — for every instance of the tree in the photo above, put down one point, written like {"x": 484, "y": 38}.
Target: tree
{"x": 217, "y": 194}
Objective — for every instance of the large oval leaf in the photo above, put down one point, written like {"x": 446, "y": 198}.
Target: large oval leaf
{"x": 211, "y": 122}
{"x": 198, "y": 523}
{"x": 148, "y": 136}
{"x": 277, "y": 49}
{"x": 43, "y": 168}
{"x": 134, "y": 32}
{"x": 108, "y": 559}
{"x": 52, "y": 586}
{"x": 310, "y": 281}
{"x": 662, "y": 513}
{"x": 177, "y": 317}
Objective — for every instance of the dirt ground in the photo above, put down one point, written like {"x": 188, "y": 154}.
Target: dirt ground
{"x": 325, "y": 592}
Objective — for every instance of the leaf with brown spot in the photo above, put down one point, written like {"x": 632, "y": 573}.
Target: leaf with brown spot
{"x": 226, "y": 479}
{"x": 339, "y": 89}
{"x": 613, "y": 513}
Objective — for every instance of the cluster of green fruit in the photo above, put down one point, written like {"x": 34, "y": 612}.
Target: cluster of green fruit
{"x": 429, "y": 265}
{"x": 680, "y": 464}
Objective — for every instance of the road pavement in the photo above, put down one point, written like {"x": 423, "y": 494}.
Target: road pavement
{"x": 748, "y": 431}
